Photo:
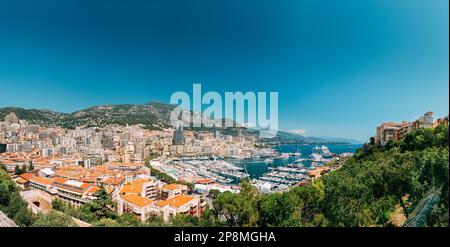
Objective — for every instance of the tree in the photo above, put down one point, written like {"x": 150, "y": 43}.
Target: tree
{"x": 213, "y": 193}
{"x": 54, "y": 219}
{"x": 17, "y": 170}
{"x": 23, "y": 217}
{"x": 185, "y": 221}
{"x": 58, "y": 204}
{"x": 30, "y": 166}
{"x": 24, "y": 169}
{"x": 102, "y": 207}
{"x": 12, "y": 203}
{"x": 269, "y": 210}
{"x": 129, "y": 220}
{"x": 5, "y": 193}
{"x": 372, "y": 140}
{"x": 154, "y": 221}
{"x": 238, "y": 209}
{"x": 106, "y": 223}
{"x": 15, "y": 205}
{"x": 399, "y": 179}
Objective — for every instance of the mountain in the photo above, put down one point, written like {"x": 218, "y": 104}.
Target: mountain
{"x": 284, "y": 136}
{"x": 36, "y": 116}
{"x": 153, "y": 115}
{"x": 338, "y": 139}
{"x": 288, "y": 137}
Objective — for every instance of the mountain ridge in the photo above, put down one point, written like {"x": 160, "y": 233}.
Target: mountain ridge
{"x": 151, "y": 115}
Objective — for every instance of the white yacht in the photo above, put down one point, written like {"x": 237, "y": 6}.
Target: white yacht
{"x": 316, "y": 157}
{"x": 322, "y": 150}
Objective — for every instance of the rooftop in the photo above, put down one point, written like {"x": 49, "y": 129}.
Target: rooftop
{"x": 136, "y": 200}
{"x": 177, "y": 201}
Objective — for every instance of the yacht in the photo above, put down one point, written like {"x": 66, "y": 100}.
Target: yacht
{"x": 299, "y": 160}
{"x": 322, "y": 150}
{"x": 316, "y": 157}
{"x": 284, "y": 156}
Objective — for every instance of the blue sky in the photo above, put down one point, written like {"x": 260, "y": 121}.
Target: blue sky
{"x": 340, "y": 67}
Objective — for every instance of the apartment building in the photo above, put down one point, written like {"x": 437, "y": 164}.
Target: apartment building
{"x": 169, "y": 191}
{"x": 141, "y": 187}
{"x": 388, "y": 131}
{"x": 138, "y": 197}
{"x": 396, "y": 131}
{"x": 74, "y": 192}
{"x": 179, "y": 205}
{"x": 424, "y": 121}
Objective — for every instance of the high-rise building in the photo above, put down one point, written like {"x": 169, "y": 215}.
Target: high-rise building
{"x": 216, "y": 132}
{"x": 388, "y": 132}
{"x": 442, "y": 121}
{"x": 424, "y": 121}
{"x": 178, "y": 135}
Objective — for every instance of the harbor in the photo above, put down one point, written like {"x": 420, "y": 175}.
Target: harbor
{"x": 276, "y": 170}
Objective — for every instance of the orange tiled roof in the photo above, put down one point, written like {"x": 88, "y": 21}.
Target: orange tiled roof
{"x": 204, "y": 181}
{"x": 131, "y": 188}
{"x": 177, "y": 201}
{"x": 113, "y": 181}
{"x": 85, "y": 186}
{"x": 21, "y": 181}
{"x": 59, "y": 180}
{"x": 93, "y": 189}
{"x": 41, "y": 180}
{"x": 161, "y": 203}
{"x": 7, "y": 162}
{"x": 122, "y": 164}
{"x": 134, "y": 187}
{"x": 62, "y": 183}
{"x": 170, "y": 186}
{"x": 137, "y": 200}
{"x": 109, "y": 189}
{"x": 26, "y": 176}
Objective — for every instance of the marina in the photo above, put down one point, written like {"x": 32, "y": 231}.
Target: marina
{"x": 292, "y": 165}
{"x": 276, "y": 170}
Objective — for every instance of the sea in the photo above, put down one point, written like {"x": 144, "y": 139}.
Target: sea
{"x": 257, "y": 167}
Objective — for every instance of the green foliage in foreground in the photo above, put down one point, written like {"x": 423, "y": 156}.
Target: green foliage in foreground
{"x": 11, "y": 203}
{"x": 54, "y": 219}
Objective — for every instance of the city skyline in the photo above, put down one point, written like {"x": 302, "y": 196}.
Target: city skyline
{"x": 341, "y": 70}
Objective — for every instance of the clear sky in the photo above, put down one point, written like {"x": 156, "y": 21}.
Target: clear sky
{"x": 340, "y": 67}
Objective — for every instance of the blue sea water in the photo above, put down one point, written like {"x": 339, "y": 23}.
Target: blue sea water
{"x": 257, "y": 167}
